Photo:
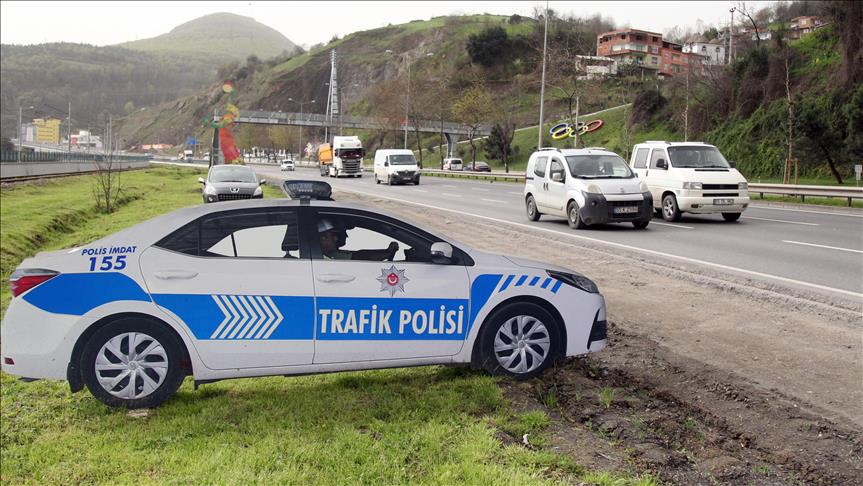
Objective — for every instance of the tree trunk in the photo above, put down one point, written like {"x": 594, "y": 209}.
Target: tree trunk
{"x": 419, "y": 145}
{"x": 830, "y": 163}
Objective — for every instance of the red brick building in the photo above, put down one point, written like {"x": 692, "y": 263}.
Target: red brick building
{"x": 647, "y": 50}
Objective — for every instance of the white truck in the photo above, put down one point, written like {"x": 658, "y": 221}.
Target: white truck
{"x": 344, "y": 157}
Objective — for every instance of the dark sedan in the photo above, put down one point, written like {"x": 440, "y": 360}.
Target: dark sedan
{"x": 478, "y": 166}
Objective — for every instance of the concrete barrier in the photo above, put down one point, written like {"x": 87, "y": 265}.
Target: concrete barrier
{"x": 33, "y": 169}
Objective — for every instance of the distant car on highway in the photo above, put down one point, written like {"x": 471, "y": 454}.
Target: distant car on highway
{"x": 230, "y": 183}
{"x": 477, "y": 166}
{"x": 285, "y": 287}
{"x": 287, "y": 164}
{"x": 452, "y": 164}
{"x": 396, "y": 166}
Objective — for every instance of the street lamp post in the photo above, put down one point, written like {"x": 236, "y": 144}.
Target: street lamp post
{"x": 21, "y": 129}
{"x": 301, "y": 103}
{"x": 408, "y": 60}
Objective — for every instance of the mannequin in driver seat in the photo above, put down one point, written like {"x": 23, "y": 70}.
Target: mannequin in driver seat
{"x": 333, "y": 237}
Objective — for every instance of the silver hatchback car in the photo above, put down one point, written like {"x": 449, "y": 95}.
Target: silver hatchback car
{"x": 231, "y": 183}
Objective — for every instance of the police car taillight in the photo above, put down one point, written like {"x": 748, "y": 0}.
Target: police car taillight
{"x": 23, "y": 280}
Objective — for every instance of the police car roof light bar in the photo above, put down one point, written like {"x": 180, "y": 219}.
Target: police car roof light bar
{"x": 308, "y": 190}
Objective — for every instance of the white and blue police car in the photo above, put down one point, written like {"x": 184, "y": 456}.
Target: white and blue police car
{"x": 284, "y": 287}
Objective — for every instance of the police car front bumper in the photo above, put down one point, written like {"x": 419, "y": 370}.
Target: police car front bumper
{"x": 630, "y": 208}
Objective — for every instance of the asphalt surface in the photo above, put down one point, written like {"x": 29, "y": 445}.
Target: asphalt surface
{"x": 811, "y": 249}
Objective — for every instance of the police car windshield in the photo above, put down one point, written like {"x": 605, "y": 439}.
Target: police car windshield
{"x": 403, "y": 159}
{"x": 228, "y": 173}
{"x": 697, "y": 158}
{"x": 598, "y": 167}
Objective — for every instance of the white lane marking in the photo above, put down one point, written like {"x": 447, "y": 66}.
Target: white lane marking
{"x": 493, "y": 201}
{"x": 516, "y": 193}
{"x": 673, "y": 225}
{"x": 806, "y": 211}
{"x": 449, "y": 195}
{"x": 480, "y": 189}
{"x": 449, "y": 186}
{"x": 856, "y": 295}
{"x": 420, "y": 190}
{"x": 822, "y": 246}
{"x": 780, "y": 221}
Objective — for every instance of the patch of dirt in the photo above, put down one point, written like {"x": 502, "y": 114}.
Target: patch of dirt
{"x": 709, "y": 378}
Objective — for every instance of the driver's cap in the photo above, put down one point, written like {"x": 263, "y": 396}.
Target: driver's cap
{"x": 325, "y": 225}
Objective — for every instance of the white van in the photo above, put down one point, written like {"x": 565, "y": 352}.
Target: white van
{"x": 586, "y": 186}
{"x": 690, "y": 177}
{"x": 395, "y": 166}
{"x": 452, "y": 164}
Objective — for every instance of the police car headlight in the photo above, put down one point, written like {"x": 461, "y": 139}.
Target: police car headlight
{"x": 577, "y": 280}
{"x": 258, "y": 191}
{"x": 209, "y": 190}
{"x": 692, "y": 186}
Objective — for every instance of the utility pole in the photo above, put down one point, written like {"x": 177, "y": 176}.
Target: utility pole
{"x": 407, "y": 100}
{"x": 576, "y": 122}
{"x": 542, "y": 83}
{"x": 731, "y": 36}
{"x": 69, "y": 130}
{"x": 20, "y": 131}
{"x": 686, "y": 112}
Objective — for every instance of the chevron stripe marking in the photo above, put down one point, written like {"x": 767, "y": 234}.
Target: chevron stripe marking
{"x": 235, "y": 316}
{"x": 235, "y": 299}
{"x": 224, "y": 321}
{"x": 255, "y": 315}
{"x": 275, "y": 309}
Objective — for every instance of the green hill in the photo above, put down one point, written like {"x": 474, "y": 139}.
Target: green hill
{"x": 218, "y": 37}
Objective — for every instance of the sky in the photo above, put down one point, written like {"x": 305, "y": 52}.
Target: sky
{"x": 308, "y": 23}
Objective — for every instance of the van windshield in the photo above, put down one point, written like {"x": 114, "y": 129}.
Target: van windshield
{"x": 403, "y": 159}
{"x": 598, "y": 167}
{"x": 697, "y": 158}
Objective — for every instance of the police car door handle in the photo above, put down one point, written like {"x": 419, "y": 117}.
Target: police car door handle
{"x": 175, "y": 274}
{"x": 335, "y": 278}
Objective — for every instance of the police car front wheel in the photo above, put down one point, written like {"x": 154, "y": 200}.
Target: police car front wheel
{"x": 132, "y": 363}
{"x": 520, "y": 340}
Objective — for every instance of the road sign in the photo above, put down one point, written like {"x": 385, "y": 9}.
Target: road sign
{"x": 858, "y": 169}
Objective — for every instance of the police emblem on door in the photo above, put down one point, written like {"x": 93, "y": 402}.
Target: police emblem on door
{"x": 392, "y": 279}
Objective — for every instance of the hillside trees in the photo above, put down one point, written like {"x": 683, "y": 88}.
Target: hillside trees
{"x": 473, "y": 109}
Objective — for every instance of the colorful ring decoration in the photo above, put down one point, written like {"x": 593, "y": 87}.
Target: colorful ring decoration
{"x": 564, "y": 130}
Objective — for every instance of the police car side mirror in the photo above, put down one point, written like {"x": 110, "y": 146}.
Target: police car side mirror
{"x": 441, "y": 252}
{"x": 201, "y": 180}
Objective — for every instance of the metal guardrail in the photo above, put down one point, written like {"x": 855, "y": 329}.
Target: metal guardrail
{"x": 849, "y": 193}
{"x": 12, "y": 157}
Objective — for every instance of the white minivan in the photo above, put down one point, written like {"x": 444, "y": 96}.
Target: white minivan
{"x": 586, "y": 186}
{"x": 452, "y": 163}
{"x": 396, "y": 166}
{"x": 690, "y": 177}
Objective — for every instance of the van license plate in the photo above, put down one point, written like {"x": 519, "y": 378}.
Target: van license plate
{"x": 626, "y": 209}
{"x": 723, "y": 202}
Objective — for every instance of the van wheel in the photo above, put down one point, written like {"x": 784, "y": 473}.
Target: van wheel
{"x": 640, "y": 224}
{"x": 572, "y": 216}
{"x": 520, "y": 340}
{"x": 417, "y": 181}
{"x": 533, "y": 213}
{"x": 389, "y": 180}
{"x": 377, "y": 181}
{"x": 670, "y": 211}
{"x": 132, "y": 363}
{"x": 731, "y": 217}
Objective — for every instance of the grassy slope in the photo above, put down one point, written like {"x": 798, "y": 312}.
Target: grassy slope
{"x": 423, "y": 425}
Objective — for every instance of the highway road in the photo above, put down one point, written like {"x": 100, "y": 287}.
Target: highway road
{"x": 816, "y": 250}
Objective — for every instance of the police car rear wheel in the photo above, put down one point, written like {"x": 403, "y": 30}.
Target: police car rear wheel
{"x": 132, "y": 363}
{"x": 521, "y": 341}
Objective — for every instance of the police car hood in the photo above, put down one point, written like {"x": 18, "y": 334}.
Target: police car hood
{"x": 503, "y": 260}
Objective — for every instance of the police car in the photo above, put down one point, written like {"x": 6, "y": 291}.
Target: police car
{"x": 284, "y": 287}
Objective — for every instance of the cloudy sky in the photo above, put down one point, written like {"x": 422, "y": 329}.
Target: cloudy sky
{"x": 308, "y": 23}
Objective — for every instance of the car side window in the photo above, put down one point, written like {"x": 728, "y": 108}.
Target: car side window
{"x": 251, "y": 235}
{"x": 641, "y": 158}
{"x": 539, "y": 167}
{"x": 556, "y": 168}
{"x": 656, "y": 155}
{"x": 355, "y": 237}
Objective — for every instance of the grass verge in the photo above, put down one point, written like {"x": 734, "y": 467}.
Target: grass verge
{"x": 432, "y": 425}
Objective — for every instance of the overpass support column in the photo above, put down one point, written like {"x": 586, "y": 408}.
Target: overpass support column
{"x": 451, "y": 140}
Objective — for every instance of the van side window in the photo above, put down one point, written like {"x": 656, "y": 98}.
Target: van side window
{"x": 539, "y": 168}
{"x": 641, "y": 158}
{"x": 556, "y": 166}
{"x": 656, "y": 155}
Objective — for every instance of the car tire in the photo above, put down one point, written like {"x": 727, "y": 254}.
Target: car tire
{"x": 163, "y": 372}
{"x": 417, "y": 181}
{"x": 731, "y": 217}
{"x": 533, "y": 213}
{"x": 640, "y": 224}
{"x": 573, "y": 217}
{"x": 670, "y": 210}
{"x": 377, "y": 181}
{"x": 389, "y": 180}
{"x": 520, "y": 340}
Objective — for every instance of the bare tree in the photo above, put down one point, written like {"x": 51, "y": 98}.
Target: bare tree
{"x": 108, "y": 185}
{"x": 473, "y": 109}
{"x": 749, "y": 14}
